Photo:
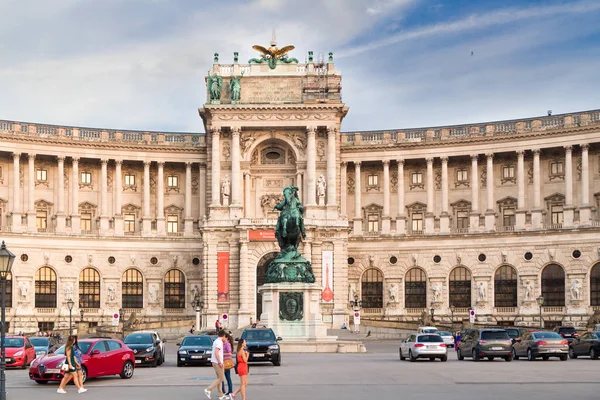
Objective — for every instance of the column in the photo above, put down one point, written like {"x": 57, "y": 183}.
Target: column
{"x": 444, "y": 217}
{"x": 401, "y": 218}
{"x": 188, "y": 227}
{"x": 75, "y": 217}
{"x": 386, "y": 219}
{"x": 161, "y": 227}
{"x": 490, "y": 214}
{"x": 299, "y": 185}
{"x": 201, "y": 191}
{"x": 343, "y": 189}
{"x": 568, "y": 209}
{"x": 311, "y": 166}
{"x": 104, "y": 197}
{"x": 236, "y": 178}
{"x": 536, "y": 212}
{"x": 357, "y": 207}
{"x": 331, "y": 169}
{"x": 247, "y": 196}
{"x": 429, "y": 216}
{"x": 474, "y": 216}
{"x": 216, "y": 169}
{"x": 146, "y": 217}
{"x": 521, "y": 211}
{"x": 16, "y": 206}
{"x": 246, "y": 285}
{"x": 31, "y": 213}
{"x": 60, "y": 198}
{"x": 585, "y": 209}
{"x": 118, "y": 216}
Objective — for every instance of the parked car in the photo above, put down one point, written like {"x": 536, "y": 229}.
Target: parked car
{"x": 101, "y": 357}
{"x": 448, "y": 338}
{"x": 146, "y": 348}
{"x": 586, "y": 345}
{"x": 42, "y": 345}
{"x": 541, "y": 344}
{"x": 213, "y": 334}
{"x": 427, "y": 329}
{"x": 423, "y": 345}
{"x": 195, "y": 349}
{"x": 490, "y": 343}
{"x": 568, "y": 332}
{"x": 514, "y": 333}
{"x": 19, "y": 351}
{"x": 262, "y": 345}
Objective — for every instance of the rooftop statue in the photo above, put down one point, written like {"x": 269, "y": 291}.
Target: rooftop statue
{"x": 273, "y": 54}
{"x": 235, "y": 86}
{"x": 215, "y": 83}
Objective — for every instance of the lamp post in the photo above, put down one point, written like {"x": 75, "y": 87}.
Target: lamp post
{"x": 81, "y": 312}
{"x": 70, "y": 304}
{"x": 6, "y": 261}
{"x": 452, "y": 308}
{"x": 198, "y": 305}
{"x": 432, "y": 311}
{"x": 121, "y": 316}
{"x": 540, "y": 301}
{"x": 356, "y": 304}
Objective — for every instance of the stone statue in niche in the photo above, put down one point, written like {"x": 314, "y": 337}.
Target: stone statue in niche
{"x": 436, "y": 291}
{"x": 482, "y": 291}
{"x": 321, "y": 185}
{"x": 528, "y": 290}
{"x": 68, "y": 291}
{"x": 393, "y": 293}
{"x": 225, "y": 185}
{"x": 24, "y": 290}
{"x": 111, "y": 293}
{"x": 575, "y": 290}
{"x": 195, "y": 292}
{"x": 153, "y": 293}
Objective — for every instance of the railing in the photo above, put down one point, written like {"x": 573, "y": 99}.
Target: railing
{"x": 553, "y": 309}
{"x": 174, "y": 310}
{"x": 87, "y": 311}
{"x": 372, "y": 311}
{"x": 416, "y": 233}
{"x": 505, "y": 310}
{"x": 507, "y": 228}
{"x": 415, "y": 310}
{"x": 461, "y": 310}
{"x": 177, "y": 234}
{"x": 461, "y": 230}
{"x": 553, "y": 226}
{"x": 371, "y": 233}
{"x": 45, "y": 310}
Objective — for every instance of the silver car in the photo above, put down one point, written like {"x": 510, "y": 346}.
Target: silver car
{"x": 448, "y": 338}
{"x": 423, "y": 345}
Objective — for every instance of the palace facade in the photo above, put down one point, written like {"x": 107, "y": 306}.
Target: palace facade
{"x": 488, "y": 216}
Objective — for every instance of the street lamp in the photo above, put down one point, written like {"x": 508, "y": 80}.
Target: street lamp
{"x": 198, "y": 305}
{"x": 540, "y": 301}
{"x": 356, "y": 304}
{"x": 81, "y": 312}
{"x": 6, "y": 261}
{"x": 432, "y": 311}
{"x": 121, "y": 316}
{"x": 452, "y": 308}
{"x": 70, "y": 304}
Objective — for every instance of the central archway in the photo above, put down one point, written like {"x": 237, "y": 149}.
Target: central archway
{"x": 261, "y": 272}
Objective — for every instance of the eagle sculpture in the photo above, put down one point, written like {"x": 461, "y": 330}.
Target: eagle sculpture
{"x": 273, "y": 54}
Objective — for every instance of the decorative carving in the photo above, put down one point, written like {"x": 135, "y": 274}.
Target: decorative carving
{"x": 299, "y": 141}
{"x": 530, "y": 173}
{"x": 153, "y": 290}
{"x": 393, "y": 293}
{"x": 321, "y": 150}
{"x": 132, "y": 259}
{"x": 578, "y": 168}
{"x": 24, "y": 291}
{"x": 575, "y": 290}
{"x": 482, "y": 291}
{"x": 291, "y": 157}
{"x": 225, "y": 189}
{"x": 109, "y": 182}
{"x": 66, "y": 179}
{"x": 394, "y": 181}
{"x": 195, "y": 183}
{"x": 269, "y": 201}
{"x": 254, "y": 160}
{"x": 246, "y": 141}
{"x": 438, "y": 179}
{"x": 291, "y": 306}
{"x": 321, "y": 185}
{"x": 436, "y": 292}
{"x": 68, "y": 291}
{"x": 274, "y": 183}
{"x": 350, "y": 184}
{"x": 529, "y": 288}
{"x": 111, "y": 293}
{"x": 483, "y": 176}
{"x": 226, "y": 151}
{"x": 196, "y": 292}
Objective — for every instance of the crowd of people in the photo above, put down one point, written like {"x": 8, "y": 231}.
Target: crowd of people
{"x": 223, "y": 362}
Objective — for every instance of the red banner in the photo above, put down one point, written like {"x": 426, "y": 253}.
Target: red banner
{"x": 266, "y": 235}
{"x": 223, "y": 276}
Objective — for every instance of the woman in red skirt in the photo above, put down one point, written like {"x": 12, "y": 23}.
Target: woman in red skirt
{"x": 242, "y": 369}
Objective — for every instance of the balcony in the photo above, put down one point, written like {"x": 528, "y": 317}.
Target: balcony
{"x": 415, "y": 311}
{"x": 505, "y": 310}
{"x": 552, "y": 226}
{"x": 551, "y": 309}
{"x": 372, "y": 311}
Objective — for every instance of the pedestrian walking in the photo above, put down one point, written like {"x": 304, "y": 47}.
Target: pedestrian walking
{"x": 79, "y": 360}
{"x": 457, "y": 339}
{"x": 242, "y": 369}
{"x": 71, "y": 368}
{"x": 192, "y": 330}
{"x": 228, "y": 363}
{"x": 217, "y": 362}
{"x": 217, "y": 325}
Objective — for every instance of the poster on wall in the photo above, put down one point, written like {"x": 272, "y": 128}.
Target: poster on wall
{"x": 223, "y": 276}
{"x": 327, "y": 277}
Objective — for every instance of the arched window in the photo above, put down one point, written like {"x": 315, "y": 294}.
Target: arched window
{"x": 45, "y": 288}
{"x": 8, "y": 291}
{"x": 505, "y": 287}
{"x": 553, "y": 286}
{"x": 132, "y": 289}
{"x": 415, "y": 289}
{"x": 460, "y": 287}
{"x": 372, "y": 289}
{"x": 174, "y": 289}
{"x": 595, "y": 285}
{"x": 89, "y": 288}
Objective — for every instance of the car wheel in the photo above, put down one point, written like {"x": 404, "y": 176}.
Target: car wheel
{"x": 179, "y": 363}
{"x": 508, "y": 358}
{"x": 444, "y": 359}
{"x": 564, "y": 358}
{"x": 459, "y": 355}
{"x": 41, "y": 382}
{"x": 593, "y": 354}
{"x": 159, "y": 360}
{"x": 572, "y": 353}
{"x": 475, "y": 355}
{"x": 491, "y": 358}
{"x": 410, "y": 356}
{"x": 24, "y": 364}
{"x": 127, "y": 370}
{"x": 277, "y": 363}
{"x": 83, "y": 375}
{"x": 154, "y": 363}
{"x": 545, "y": 358}
{"x": 514, "y": 354}
{"x": 530, "y": 356}
{"x": 402, "y": 358}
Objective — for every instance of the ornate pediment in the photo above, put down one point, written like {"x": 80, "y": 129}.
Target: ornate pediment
{"x": 373, "y": 208}
{"x": 555, "y": 198}
{"x": 507, "y": 202}
{"x": 417, "y": 206}
{"x": 41, "y": 203}
{"x": 462, "y": 203}
{"x": 173, "y": 209}
{"x": 130, "y": 208}
{"x": 86, "y": 206}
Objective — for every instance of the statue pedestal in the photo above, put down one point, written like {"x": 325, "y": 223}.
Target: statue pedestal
{"x": 292, "y": 310}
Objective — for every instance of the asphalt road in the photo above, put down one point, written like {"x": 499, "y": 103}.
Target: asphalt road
{"x": 378, "y": 373}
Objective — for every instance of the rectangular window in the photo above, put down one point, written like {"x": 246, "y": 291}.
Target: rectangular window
{"x": 508, "y": 172}
{"x": 557, "y": 214}
{"x": 86, "y": 177}
{"x": 417, "y": 222}
{"x": 462, "y": 220}
{"x": 41, "y": 175}
{"x": 373, "y": 220}
{"x": 42, "y": 220}
{"x": 556, "y": 168}
{"x": 373, "y": 179}
{"x": 129, "y": 220}
{"x": 129, "y": 180}
{"x": 417, "y": 178}
{"x": 508, "y": 215}
{"x": 86, "y": 222}
{"x": 462, "y": 175}
{"x": 172, "y": 181}
{"x": 172, "y": 223}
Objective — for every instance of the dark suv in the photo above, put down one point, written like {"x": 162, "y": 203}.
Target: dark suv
{"x": 568, "y": 332}
{"x": 490, "y": 343}
{"x": 262, "y": 345}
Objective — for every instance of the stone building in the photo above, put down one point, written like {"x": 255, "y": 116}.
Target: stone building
{"x": 487, "y": 215}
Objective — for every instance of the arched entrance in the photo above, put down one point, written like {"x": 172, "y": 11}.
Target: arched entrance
{"x": 261, "y": 271}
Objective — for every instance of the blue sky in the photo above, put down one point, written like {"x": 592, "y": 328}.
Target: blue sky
{"x": 139, "y": 64}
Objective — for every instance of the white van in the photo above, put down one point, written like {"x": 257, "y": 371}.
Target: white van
{"x": 428, "y": 329}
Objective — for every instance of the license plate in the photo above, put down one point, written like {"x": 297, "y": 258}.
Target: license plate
{"x": 258, "y": 355}
{"x": 496, "y": 348}
{"x": 53, "y": 371}
{"x": 431, "y": 347}
{"x": 8, "y": 361}
{"x": 197, "y": 357}
{"x": 138, "y": 361}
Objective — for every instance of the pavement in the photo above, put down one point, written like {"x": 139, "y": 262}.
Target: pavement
{"x": 377, "y": 373}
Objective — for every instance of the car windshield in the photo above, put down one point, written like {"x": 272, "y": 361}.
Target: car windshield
{"x": 14, "y": 342}
{"x": 139, "y": 338}
{"x": 83, "y": 346}
{"x": 444, "y": 333}
{"x": 429, "y": 339}
{"x": 568, "y": 329}
{"x": 491, "y": 335}
{"x": 513, "y": 332}
{"x": 39, "y": 341}
{"x": 266, "y": 335}
{"x": 546, "y": 335}
{"x": 197, "y": 341}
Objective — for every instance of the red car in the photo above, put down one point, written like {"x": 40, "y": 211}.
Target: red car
{"x": 19, "y": 351}
{"x": 101, "y": 357}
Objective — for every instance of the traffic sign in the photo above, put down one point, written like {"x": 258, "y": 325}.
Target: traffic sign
{"x": 115, "y": 319}
{"x": 224, "y": 317}
{"x": 471, "y": 315}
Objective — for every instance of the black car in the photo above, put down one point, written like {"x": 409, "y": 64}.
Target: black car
{"x": 262, "y": 345}
{"x": 146, "y": 349}
{"x": 586, "y": 345}
{"x": 568, "y": 332}
{"x": 196, "y": 349}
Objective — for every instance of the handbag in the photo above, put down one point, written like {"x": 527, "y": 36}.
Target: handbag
{"x": 65, "y": 367}
{"x": 228, "y": 364}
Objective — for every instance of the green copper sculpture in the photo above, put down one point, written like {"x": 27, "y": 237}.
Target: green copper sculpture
{"x": 235, "y": 86}
{"x": 289, "y": 265}
{"x": 273, "y": 54}
{"x": 215, "y": 83}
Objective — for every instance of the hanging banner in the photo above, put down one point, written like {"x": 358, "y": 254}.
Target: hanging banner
{"x": 264, "y": 235}
{"x": 327, "y": 276}
{"x": 223, "y": 276}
